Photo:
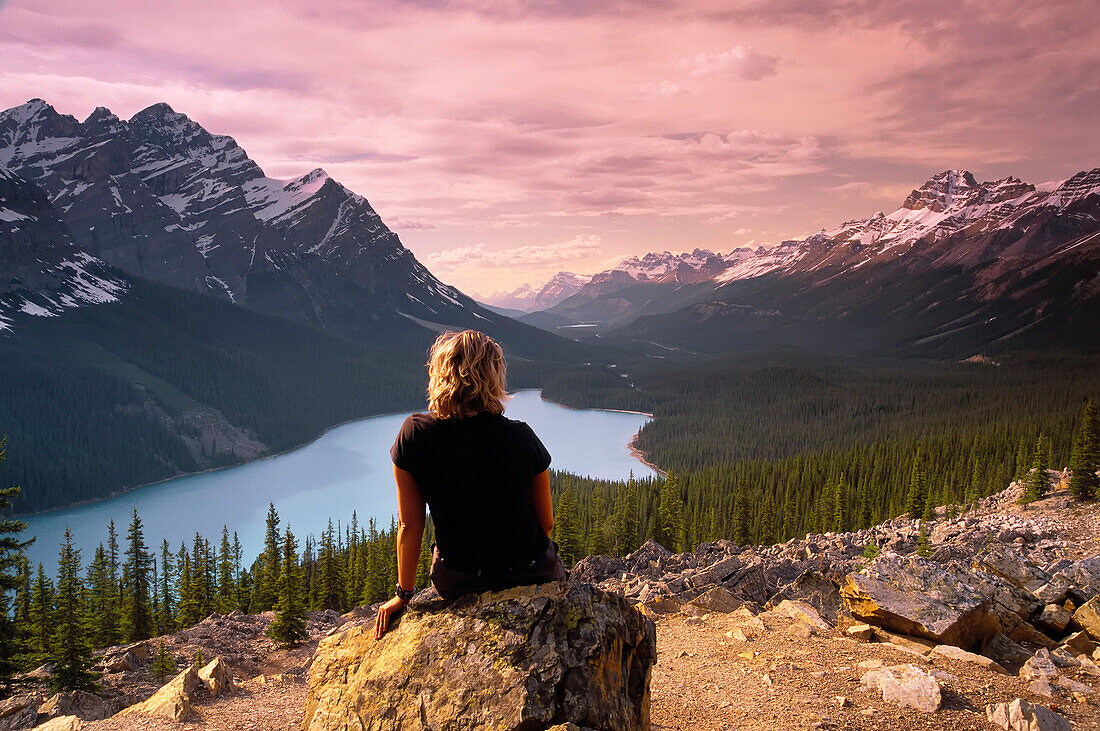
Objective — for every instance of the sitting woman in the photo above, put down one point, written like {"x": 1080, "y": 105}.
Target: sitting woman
{"x": 484, "y": 477}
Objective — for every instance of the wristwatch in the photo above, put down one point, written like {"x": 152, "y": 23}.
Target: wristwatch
{"x": 404, "y": 594}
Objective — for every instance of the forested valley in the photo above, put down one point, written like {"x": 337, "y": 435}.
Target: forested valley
{"x": 757, "y": 450}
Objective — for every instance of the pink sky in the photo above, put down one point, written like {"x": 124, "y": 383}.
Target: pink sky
{"x": 506, "y": 140}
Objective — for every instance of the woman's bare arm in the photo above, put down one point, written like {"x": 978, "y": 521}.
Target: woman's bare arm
{"x": 410, "y": 533}
{"x": 544, "y": 504}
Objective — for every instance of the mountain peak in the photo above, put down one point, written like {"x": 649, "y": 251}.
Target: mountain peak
{"x": 941, "y": 190}
{"x": 159, "y": 110}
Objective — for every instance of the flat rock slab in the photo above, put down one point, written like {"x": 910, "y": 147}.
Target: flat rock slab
{"x": 529, "y": 657}
{"x": 1019, "y": 715}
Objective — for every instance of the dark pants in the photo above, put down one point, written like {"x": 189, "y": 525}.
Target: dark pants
{"x": 451, "y": 583}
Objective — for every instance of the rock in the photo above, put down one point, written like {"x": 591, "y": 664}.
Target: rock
{"x": 661, "y": 604}
{"x": 802, "y": 612}
{"x": 955, "y": 653}
{"x": 1084, "y": 578}
{"x": 120, "y": 663}
{"x": 1005, "y": 650}
{"x": 717, "y": 573}
{"x": 1009, "y": 565}
{"x": 905, "y": 685}
{"x": 1072, "y": 685}
{"x": 514, "y": 659}
{"x": 813, "y": 589}
{"x": 1087, "y": 617}
{"x": 861, "y": 632}
{"x": 1079, "y": 643}
{"x": 913, "y": 596}
{"x": 1040, "y": 666}
{"x": 718, "y": 599}
{"x": 1063, "y": 658}
{"x": 1019, "y": 715}
{"x": 1054, "y": 591}
{"x": 62, "y": 723}
{"x": 801, "y": 630}
{"x": 86, "y": 706}
{"x": 1024, "y": 633}
{"x": 172, "y": 701}
{"x": 1041, "y": 687}
{"x": 913, "y": 645}
{"x": 216, "y": 677}
{"x": 1053, "y": 619}
{"x": 19, "y": 712}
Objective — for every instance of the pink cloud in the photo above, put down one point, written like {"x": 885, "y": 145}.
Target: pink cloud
{"x": 651, "y": 123}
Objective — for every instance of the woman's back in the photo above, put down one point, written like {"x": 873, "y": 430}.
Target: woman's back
{"x": 475, "y": 475}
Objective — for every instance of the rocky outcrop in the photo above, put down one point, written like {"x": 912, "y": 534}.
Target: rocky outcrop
{"x": 62, "y": 723}
{"x": 529, "y": 657}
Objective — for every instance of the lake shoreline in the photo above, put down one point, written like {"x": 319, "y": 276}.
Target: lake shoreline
{"x": 636, "y": 453}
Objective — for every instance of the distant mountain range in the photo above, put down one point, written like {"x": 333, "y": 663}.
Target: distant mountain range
{"x": 960, "y": 265}
{"x": 526, "y": 298}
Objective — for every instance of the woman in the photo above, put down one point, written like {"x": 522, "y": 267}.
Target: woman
{"x": 484, "y": 477}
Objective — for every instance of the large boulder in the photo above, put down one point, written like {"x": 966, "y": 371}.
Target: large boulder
{"x": 916, "y": 597}
{"x": 528, "y": 657}
{"x": 172, "y": 701}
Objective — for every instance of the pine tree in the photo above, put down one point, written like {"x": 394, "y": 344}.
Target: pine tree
{"x": 567, "y": 531}
{"x": 163, "y": 663}
{"x": 265, "y": 590}
{"x": 866, "y": 518}
{"x": 627, "y": 520}
{"x": 188, "y": 611}
{"x": 42, "y": 618}
{"x": 840, "y": 506}
{"x": 227, "y": 583}
{"x": 670, "y": 516}
{"x": 766, "y": 534}
{"x": 1084, "y": 460}
{"x": 165, "y": 619}
{"x": 289, "y": 626}
{"x": 329, "y": 584}
{"x": 137, "y": 613}
{"x": 740, "y": 518}
{"x": 1038, "y": 482}
{"x": 918, "y": 490}
{"x": 12, "y": 558}
{"x": 102, "y": 618}
{"x": 70, "y": 655}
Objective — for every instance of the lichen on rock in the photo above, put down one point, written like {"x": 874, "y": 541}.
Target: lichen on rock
{"x": 523, "y": 658}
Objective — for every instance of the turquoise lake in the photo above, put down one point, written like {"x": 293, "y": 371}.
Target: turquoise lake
{"x": 346, "y": 469}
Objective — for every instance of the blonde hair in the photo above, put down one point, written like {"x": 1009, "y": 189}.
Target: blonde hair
{"x": 465, "y": 375}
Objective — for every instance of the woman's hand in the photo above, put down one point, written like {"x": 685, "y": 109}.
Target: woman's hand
{"x": 385, "y": 614}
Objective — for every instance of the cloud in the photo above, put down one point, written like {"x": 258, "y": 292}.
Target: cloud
{"x": 742, "y": 62}
{"x": 523, "y": 257}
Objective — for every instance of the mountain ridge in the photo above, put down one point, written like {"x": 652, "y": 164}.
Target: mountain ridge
{"x": 160, "y": 197}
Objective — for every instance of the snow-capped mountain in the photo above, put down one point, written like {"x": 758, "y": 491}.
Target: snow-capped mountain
{"x": 45, "y": 272}
{"x": 981, "y": 244}
{"x": 161, "y": 198}
{"x": 529, "y": 299}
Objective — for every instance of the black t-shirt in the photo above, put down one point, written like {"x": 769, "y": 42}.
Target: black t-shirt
{"x": 475, "y": 475}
